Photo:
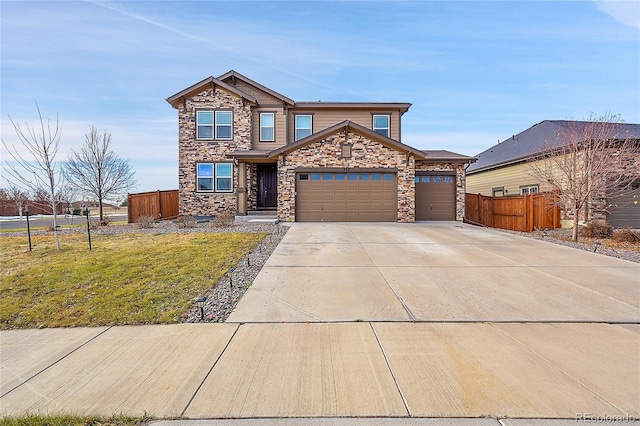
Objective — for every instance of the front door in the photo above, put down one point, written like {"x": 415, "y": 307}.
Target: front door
{"x": 267, "y": 186}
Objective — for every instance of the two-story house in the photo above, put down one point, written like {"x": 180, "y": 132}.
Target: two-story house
{"x": 244, "y": 147}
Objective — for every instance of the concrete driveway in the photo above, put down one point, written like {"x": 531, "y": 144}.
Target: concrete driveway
{"x": 437, "y": 271}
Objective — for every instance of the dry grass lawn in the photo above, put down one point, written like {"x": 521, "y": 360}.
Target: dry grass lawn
{"x": 132, "y": 278}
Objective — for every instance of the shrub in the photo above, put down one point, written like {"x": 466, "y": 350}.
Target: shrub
{"x": 597, "y": 230}
{"x": 145, "y": 221}
{"x": 186, "y": 221}
{"x": 626, "y": 236}
{"x": 105, "y": 221}
{"x": 223, "y": 220}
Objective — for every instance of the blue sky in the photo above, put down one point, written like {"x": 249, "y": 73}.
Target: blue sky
{"x": 476, "y": 72}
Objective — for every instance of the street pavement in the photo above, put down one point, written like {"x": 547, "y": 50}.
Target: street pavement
{"x": 426, "y": 323}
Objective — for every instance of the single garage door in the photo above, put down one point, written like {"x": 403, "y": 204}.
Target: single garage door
{"x": 346, "y": 197}
{"x": 435, "y": 197}
{"x": 625, "y": 209}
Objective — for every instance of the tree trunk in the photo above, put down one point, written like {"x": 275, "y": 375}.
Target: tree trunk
{"x": 100, "y": 206}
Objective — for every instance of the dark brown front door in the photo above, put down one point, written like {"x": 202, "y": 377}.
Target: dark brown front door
{"x": 267, "y": 186}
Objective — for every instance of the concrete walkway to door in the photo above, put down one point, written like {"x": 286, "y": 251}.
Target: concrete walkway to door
{"x": 437, "y": 271}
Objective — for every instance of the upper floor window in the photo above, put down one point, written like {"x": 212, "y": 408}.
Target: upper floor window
{"x": 204, "y": 124}
{"x": 224, "y": 125}
{"x": 214, "y": 177}
{"x": 304, "y": 126}
{"x": 214, "y": 125}
{"x": 382, "y": 124}
{"x": 267, "y": 126}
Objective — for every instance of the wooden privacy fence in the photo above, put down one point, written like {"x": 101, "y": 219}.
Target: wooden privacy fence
{"x": 157, "y": 204}
{"x": 518, "y": 213}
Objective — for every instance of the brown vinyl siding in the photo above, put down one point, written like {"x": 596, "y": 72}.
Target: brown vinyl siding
{"x": 280, "y": 123}
{"x": 325, "y": 118}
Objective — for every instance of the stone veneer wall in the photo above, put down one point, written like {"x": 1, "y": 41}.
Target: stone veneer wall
{"x": 192, "y": 151}
{"x": 422, "y": 166}
{"x": 252, "y": 186}
{"x": 365, "y": 153}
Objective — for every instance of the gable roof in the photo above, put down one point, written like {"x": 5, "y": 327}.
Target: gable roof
{"x": 236, "y": 75}
{"x": 444, "y": 155}
{"x": 198, "y": 87}
{"x": 530, "y": 142}
{"x": 348, "y": 126}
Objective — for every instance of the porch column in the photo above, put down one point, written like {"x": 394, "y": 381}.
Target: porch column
{"x": 242, "y": 189}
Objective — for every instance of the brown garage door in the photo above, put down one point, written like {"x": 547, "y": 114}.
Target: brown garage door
{"x": 435, "y": 197}
{"x": 346, "y": 197}
{"x": 625, "y": 209}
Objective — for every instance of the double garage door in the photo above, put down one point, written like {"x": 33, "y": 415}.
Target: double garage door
{"x": 346, "y": 197}
{"x": 370, "y": 197}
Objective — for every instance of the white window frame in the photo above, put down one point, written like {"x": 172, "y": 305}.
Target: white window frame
{"x": 529, "y": 189}
{"x": 212, "y": 177}
{"x": 215, "y": 176}
{"x": 225, "y": 125}
{"x": 387, "y": 130}
{"x": 198, "y": 125}
{"x": 272, "y": 127}
{"x": 296, "y": 128}
{"x": 218, "y": 176}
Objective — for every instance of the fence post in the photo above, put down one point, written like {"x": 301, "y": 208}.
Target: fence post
{"x": 159, "y": 216}
{"x": 129, "y": 218}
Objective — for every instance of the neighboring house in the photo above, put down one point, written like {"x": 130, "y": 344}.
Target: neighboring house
{"x": 244, "y": 147}
{"x": 504, "y": 170}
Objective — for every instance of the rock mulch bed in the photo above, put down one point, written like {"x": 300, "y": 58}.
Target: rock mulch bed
{"x": 630, "y": 252}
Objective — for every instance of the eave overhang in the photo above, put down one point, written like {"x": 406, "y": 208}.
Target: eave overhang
{"x": 179, "y": 97}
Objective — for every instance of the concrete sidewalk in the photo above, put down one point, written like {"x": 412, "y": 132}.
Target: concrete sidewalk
{"x": 417, "y": 324}
{"x": 325, "y": 370}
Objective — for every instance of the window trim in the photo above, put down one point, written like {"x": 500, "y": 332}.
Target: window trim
{"x": 375, "y": 129}
{"x": 295, "y": 125}
{"x": 214, "y": 178}
{"x": 260, "y": 126}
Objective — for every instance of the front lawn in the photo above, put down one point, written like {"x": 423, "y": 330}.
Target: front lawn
{"x": 131, "y": 278}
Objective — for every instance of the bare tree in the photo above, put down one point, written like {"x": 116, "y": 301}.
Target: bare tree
{"x": 36, "y": 168}
{"x": 18, "y": 197}
{"x": 97, "y": 170}
{"x": 587, "y": 160}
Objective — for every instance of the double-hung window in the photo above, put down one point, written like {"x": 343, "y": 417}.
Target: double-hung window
{"x": 382, "y": 124}
{"x": 304, "y": 126}
{"x": 224, "y": 125}
{"x": 204, "y": 124}
{"x": 214, "y": 177}
{"x": 267, "y": 126}
{"x": 214, "y": 125}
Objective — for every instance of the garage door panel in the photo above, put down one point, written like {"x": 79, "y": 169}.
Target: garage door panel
{"x": 625, "y": 209}
{"x": 435, "y": 197}
{"x": 354, "y": 196}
